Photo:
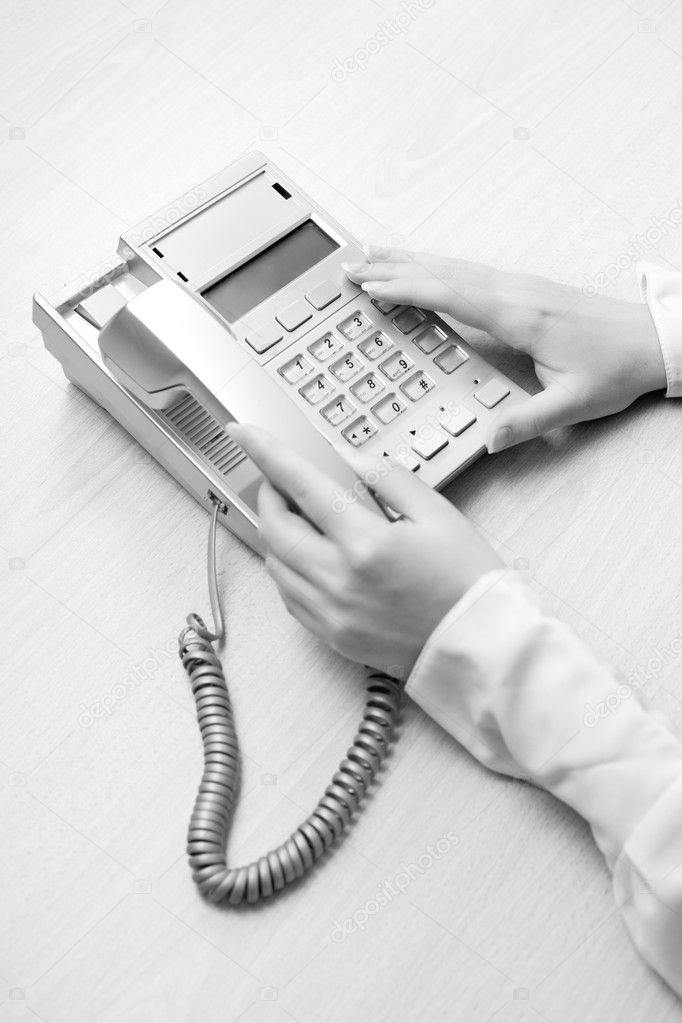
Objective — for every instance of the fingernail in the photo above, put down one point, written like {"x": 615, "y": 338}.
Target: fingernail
{"x": 372, "y": 287}
{"x": 501, "y": 439}
{"x": 353, "y": 268}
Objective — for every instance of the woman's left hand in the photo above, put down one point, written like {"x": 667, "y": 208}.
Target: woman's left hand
{"x": 371, "y": 589}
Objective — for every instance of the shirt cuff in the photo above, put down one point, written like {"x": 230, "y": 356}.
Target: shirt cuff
{"x": 661, "y": 289}
{"x": 647, "y": 883}
{"x": 529, "y": 699}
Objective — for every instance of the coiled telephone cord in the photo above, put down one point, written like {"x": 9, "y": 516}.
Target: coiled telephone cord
{"x": 215, "y": 802}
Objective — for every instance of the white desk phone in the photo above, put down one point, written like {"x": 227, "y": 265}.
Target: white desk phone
{"x": 228, "y": 305}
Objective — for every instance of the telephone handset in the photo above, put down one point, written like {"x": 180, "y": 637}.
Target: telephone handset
{"x": 163, "y": 345}
{"x": 231, "y": 304}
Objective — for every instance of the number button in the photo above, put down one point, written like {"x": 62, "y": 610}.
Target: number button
{"x": 396, "y": 365}
{"x": 367, "y": 388}
{"x": 417, "y": 386}
{"x": 295, "y": 369}
{"x": 355, "y": 326}
{"x": 316, "y": 390}
{"x": 325, "y": 347}
{"x": 347, "y": 368}
{"x": 375, "y": 346}
{"x": 338, "y": 411}
{"x": 359, "y": 432}
{"x": 388, "y": 409}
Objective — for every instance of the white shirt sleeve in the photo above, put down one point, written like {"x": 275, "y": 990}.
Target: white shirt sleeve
{"x": 522, "y": 693}
{"x": 661, "y": 289}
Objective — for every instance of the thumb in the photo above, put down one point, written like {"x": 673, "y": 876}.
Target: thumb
{"x": 553, "y": 407}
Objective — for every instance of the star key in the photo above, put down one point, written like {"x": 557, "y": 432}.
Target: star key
{"x": 359, "y": 432}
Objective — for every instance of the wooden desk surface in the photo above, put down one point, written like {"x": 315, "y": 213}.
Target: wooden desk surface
{"x": 538, "y": 135}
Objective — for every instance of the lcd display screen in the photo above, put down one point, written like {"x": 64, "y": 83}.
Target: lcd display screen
{"x": 273, "y": 268}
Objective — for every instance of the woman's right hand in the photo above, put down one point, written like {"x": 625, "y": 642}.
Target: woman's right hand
{"x": 593, "y": 355}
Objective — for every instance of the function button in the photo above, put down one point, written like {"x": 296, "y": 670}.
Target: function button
{"x": 450, "y": 358}
{"x": 407, "y": 319}
{"x": 295, "y": 369}
{"x": 355, "y": 326}
{"x": 396, "y": 366}
{"x": 323, "y": 294}
{"x": 492, "y": 393}
{"x": 388, "y": 409}
{"x": 316, "y": 390}
{"x": 417, "y": 386}
{"x": 375, "y": 346}
{"x": 456, "y": 420}
{"x": 428, "y": 340}
{"x": 384, "y": 307}
{"x": 325, "y": 347}
{"x": 430, "y": 444}
{"x": 294, "y": 315}
{"x": 367, "y": 388}
{"x": 348, "y": 367}
{"x": 405, "y": 457}
{"x": 359, "y": 432}
{"x": 338, "y": 411}
{"x": 263, "y": 338}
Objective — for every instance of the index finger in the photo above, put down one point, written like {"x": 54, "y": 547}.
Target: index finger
{"x": 316, "y": 495}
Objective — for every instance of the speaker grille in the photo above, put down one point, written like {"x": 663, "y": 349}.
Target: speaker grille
{"x": 201, "y": 431}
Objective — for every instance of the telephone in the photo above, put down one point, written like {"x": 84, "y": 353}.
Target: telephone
{"x": 230, "y": 304}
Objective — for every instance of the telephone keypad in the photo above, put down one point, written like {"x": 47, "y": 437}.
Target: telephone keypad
{"x": 325, "y": 347}
{"x": 347, "y": 367}
{"x": 388, "y": 409}
{"x": 355, "y": 326}
{"x": 396, "y": 366}
{"x": 317, "y": 389}
{"x": 338, "y": 410}
{"x": 367, "y": 388}
{"x": 359, "y": 432}
{"x": 375, "y": 346}
{"x": 417, "y": 386}
{"x": 363, "y": 360}
{"x": 295, "y": 369}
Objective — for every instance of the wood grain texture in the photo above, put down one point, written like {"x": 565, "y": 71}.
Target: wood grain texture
{"x": 539, "y": 135}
